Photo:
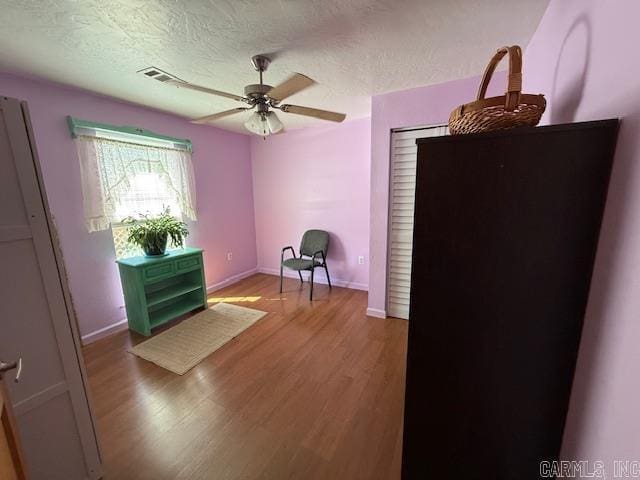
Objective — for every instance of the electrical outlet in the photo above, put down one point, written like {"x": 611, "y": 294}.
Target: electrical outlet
{"x": 361, "y": 260}
{"x": 229, "y": 256}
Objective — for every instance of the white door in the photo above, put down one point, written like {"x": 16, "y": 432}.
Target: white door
{"x": 404, "y": 154}
{"x": 36, "y": 320}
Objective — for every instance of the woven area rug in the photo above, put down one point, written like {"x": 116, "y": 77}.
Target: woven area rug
{"x": 184, "y": 346}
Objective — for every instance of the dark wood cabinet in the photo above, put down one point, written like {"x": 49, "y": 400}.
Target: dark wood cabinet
{"x": 505, "y": 235}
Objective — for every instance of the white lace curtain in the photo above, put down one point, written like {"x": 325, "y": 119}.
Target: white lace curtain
{"x": 108, "y": 169}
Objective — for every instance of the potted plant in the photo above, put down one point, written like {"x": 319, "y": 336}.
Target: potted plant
{"x": 152, "y": 233}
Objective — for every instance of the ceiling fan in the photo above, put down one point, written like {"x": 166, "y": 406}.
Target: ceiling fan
{"x": 264, "y": 99}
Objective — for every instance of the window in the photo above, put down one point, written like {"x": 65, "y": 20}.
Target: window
{"x": 146, "y": 194}
{"x": 126, "y": 176}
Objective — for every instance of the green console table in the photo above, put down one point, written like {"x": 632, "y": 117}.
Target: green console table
{"x": 159, "y": 289}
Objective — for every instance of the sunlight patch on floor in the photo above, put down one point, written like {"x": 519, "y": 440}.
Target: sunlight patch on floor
{"x": 233, "y": 299}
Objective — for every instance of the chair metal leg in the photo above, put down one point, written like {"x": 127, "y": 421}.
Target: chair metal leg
{"x": 280, "y": 278}
{"x": 311, "y": 289}
{"x": 300, "y": 275}
{"x": 327, "y": 272}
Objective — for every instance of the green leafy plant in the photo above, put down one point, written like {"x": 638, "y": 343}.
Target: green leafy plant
{"x": 152, "y": 233}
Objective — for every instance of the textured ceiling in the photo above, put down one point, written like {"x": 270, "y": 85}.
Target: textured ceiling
{"x": 352, "y": 48}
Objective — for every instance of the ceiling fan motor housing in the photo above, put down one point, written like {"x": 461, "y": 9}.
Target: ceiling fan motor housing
{"x": 257, "y": 90}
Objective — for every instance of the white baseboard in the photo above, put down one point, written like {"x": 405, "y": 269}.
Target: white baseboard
{"x": 103, "y": 332}
{"x": 231, "y": 280}
{"x": 377, "y": 313}
{"x": 318, "y": 277}
{"x": 122, "y": 324}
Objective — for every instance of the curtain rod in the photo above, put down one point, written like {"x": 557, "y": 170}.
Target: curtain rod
{"x": 76, "y": 124}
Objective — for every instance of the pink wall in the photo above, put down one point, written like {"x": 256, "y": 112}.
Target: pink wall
{"x": 583, "y": 57}
{"x": 408, "y": 108}
{"x": 315, "y": 178}
{"x": 223, "y": 184}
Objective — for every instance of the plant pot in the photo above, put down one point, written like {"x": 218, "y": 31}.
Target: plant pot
{"x": 155, "y": 246}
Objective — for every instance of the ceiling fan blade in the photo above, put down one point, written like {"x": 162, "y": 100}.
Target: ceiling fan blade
{"x": 314, "y": 112}
{"x": 211, "y": 91}
{"x": 294, "y": 84}
{"x": 215, "y": 116}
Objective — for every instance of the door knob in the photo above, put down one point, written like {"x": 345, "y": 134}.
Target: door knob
{"x": 17, "y": 364}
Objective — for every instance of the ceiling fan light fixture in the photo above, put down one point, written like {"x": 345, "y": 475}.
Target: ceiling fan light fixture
{"x": 274, "y": 123}
{"x": 257, "y": 124}
{"x": 263, "y": 123}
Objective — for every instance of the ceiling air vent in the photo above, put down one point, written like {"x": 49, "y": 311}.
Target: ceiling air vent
{"x": 157, "y": 74}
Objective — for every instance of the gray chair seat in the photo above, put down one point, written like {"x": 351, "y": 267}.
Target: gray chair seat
{"x": 300, "y": 263}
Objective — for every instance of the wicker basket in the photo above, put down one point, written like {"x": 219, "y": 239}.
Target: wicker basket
{"x": 514, "y": 109}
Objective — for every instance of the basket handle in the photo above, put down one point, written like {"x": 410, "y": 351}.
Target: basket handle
{"x": 514, "y": 86}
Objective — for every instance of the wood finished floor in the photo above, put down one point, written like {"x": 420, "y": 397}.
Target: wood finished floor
{"x": 311, "y": 391}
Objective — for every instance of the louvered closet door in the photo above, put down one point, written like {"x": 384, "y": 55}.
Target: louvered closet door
{"x": 402, "y": 192}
